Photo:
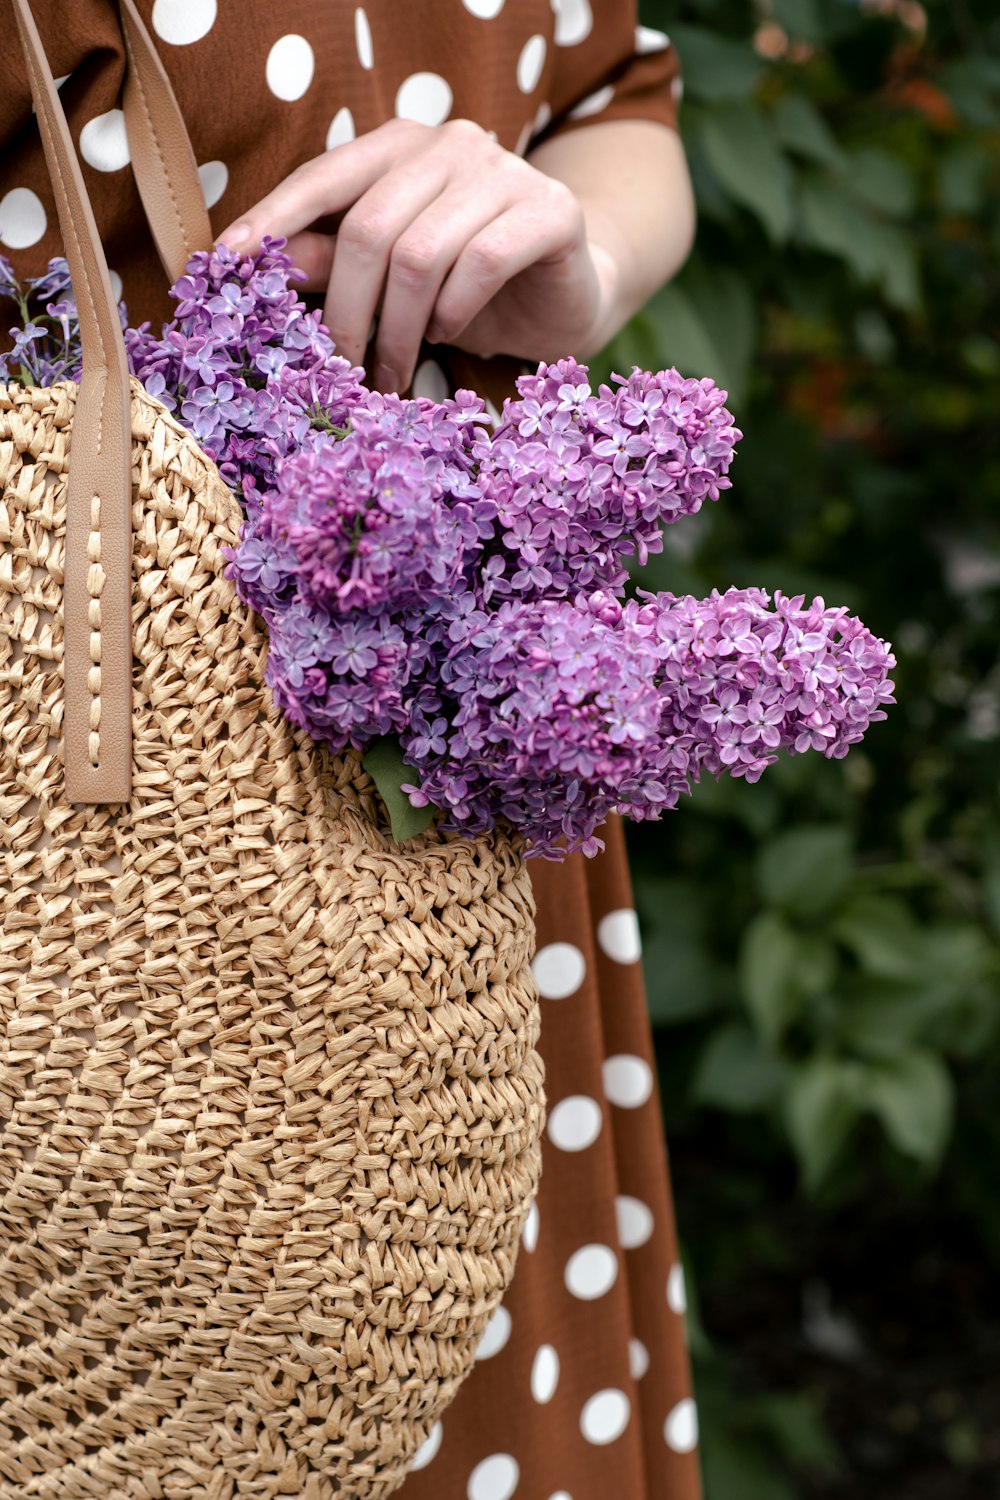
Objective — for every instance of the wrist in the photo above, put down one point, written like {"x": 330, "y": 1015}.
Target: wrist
{"x": 610, "y": 314}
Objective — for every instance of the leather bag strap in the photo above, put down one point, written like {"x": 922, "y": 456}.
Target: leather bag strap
{"x": 162, "y": 158}
{"x": 97, "y": 596}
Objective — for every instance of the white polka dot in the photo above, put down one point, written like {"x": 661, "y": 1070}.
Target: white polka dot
{"x": 635, "y": 1222}
{"x": 495, "y": 1334}
{"x": 543, "y": 114}
{"x": 290, "y": 66}
{"x": 677, "y": 88}
{"x": 424, "y": 97}
{"x": 561, "y": 1495}
{"x": 22, "y": 218}
{"x": 628, "y": 1080}
{"x": 214, "y": 177}
{"x": 523, "y": 140}
{"x": 494, "y": 1479}
{"x": 647, "y": 39}
{"x": 530, "y": 64}
{"x": 676, "y": 1290}
{"x": 104, "y": 142}
{"x": 430, "y": 381}
{"x": 492, "y": 415}
{"x": 618, "y": 935}
{"x": 428, "y": 1449}
{"x": 558, "y": 969}
{"x": 484, "y": 10}
{"x": 544, "y": 1374}
{"x": 341, "y": 129}
{"x": 638, "y": 1358}
{"x": 594, "y": 103}
{"x": 605, "y": 1417}
{"x": 363, "y": 39}
{"x": 574, "y": 1123}
{"x": 529, "y": 1234}
{"x": 116, "y": 285}
{"x": 574, "y": 21}
{"x": 681, "y": 1427}
{"x": 180, "y": 22}
{"x": 591, "y": 1271}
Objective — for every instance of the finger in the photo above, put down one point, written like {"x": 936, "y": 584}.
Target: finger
{"x": 326, "y": 184}
{"x": 365, "y": 241}
{"x": 313, "y": 254}
{"x": 548, "y": 227}
{"x": 421, "y": 259}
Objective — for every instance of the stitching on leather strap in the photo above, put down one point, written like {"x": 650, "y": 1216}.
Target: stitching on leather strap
{"x": 136, "y": 78}
{"x": 95, "y": 586}
{"x": 95, "y": 572}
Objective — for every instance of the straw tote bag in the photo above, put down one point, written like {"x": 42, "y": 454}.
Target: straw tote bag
{"x": 270, "y": 1104}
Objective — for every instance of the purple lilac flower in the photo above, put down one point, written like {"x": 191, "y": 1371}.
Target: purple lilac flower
{"x": 465, "y": 590}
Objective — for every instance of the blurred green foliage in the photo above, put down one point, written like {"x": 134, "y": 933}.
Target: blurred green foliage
{"x": 823, "y": 948}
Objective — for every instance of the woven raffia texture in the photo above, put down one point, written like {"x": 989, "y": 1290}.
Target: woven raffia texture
{"x": 270, "y": 1104}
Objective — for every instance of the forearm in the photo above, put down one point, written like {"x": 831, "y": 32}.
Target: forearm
{"x": 632, "y": 181}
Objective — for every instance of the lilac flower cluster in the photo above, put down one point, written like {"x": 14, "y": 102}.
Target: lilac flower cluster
{"x": 464, "y": 589}
{"x": 45, "y": 344}
{"x": 582, "y": 482}
{"x": 246, "y": 366}
{"x": 601, "y": 705}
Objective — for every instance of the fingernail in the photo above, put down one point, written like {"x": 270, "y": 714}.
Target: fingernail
{"x": 433, "y": 334}
{"x": 386, "y": 379}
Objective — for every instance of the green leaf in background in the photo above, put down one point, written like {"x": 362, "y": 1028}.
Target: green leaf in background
{"x": 385, "y": 765}
{"x": 806, "y": 870}
{"x": 801, "y": 128}
{"x": 800, "y": 18}
{"x": 914, "y": 1097}
{"x": 768, "y": 956}
{"x": 883, "y": 935}
{"x": 964, "y": 171}
{"x": 716, "y": 67}
{"x": 737, "y": 1072}
{"x": 821, "y": 1109}
{"x": 742, "y": 148}
{"x": 832, "y": 219}
{"x": 883, "y": 180}
{"x": 704, "y": 323}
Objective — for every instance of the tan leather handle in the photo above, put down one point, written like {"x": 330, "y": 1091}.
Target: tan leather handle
{"x": 162, "y": 158}
{"x": 97, "y": 589}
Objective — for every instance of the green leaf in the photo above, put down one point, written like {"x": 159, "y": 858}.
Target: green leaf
{"x": 742, "y": 148}
{"x": 821, "y": 1108}
{"x": 707, "y": 326}
{"x": 737, "y": 1072}
{"x": 883, "y": 936}
{"x": 832, "y": 219}
{"x": 882, "y": 180}
{"x": 972, "y": 83}
{"x": 385, "y": 765}
{"x": 715, "y": 67}
{"x": 806, "y": 870}
{"x": 800, "y": 18}
{"x": 801, "y": 128}
{"x": 964, "y": 173}
{"x": 914, "y": 1097}
{"x": 768, "y": 955}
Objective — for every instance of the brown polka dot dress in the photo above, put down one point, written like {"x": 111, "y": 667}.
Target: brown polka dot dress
{"x": 581, "y": 1388}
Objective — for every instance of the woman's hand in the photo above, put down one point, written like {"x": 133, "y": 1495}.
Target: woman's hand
{"x": 449, "y": 237}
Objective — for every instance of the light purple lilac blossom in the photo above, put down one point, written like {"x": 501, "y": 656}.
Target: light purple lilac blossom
{"x": 465, "y": 589}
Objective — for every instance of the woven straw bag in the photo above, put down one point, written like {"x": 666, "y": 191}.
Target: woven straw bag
{"x": 270, "y": 1104}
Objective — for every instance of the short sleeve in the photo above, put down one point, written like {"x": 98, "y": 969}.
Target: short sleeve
{"x": 608, "y": 67}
